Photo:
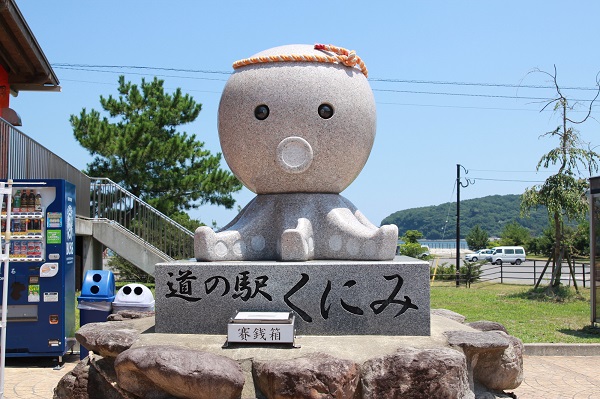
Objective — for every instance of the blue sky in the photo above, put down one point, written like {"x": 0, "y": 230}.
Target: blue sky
{"x": 430, "y": 64}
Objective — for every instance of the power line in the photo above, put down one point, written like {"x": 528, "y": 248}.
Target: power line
{"x": 111, "y": 69}
{"x": 388, "y": 80}
{"x": 114, "y": 84}
{"x": 513, "y": 171}
{"x": 142, "y": 74}
{"x": 471, "y": 107}
{"x": 468, "y": 95}
{"x": 509, "y": 85}
{"x": 65, "y": 65}
{"x": 511, "y": 180}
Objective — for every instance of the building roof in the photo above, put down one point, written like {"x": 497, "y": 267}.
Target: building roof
{"x": 21, "y": 55}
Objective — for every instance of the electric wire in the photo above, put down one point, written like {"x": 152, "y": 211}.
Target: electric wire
{"x": 387, "y": 80}
{"x": 514, "y": 171}
{"x": 143, "y": 74}
{"x": 119, "y": 69}
{"x": 511, "y": 180}
{"x": 448, "y": 210}
{"x": 469, "y": 95}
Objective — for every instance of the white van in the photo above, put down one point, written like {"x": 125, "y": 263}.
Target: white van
{"x": 513, "y": 255}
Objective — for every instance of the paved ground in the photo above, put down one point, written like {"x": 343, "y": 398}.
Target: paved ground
{"x": 546, "y": 377}
{"x": 560, "y": 377}
{"x": 34, "y": 378}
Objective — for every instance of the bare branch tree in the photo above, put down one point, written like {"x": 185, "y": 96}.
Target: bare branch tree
{"x": 563, "y": 193}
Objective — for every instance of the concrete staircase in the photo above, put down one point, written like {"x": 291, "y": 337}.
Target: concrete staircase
{"x": 131, "y": 228}
{"x": 125, "y": 243}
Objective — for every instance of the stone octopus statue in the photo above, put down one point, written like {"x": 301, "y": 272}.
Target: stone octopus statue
{"x": 296, "y": 125}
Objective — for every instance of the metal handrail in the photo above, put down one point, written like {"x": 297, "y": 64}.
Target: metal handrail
{"x": 113, "y": 202}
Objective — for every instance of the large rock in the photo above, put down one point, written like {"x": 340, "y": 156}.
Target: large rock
{"x": 417, "y": 374}
{"x": 107, "y": 339}
{"x": 92, "y": 378}
{"x": 129, "y": 315}
{"x": 159, "y": 372}
{"x": 495, "y": 358}
{"x": 485, "y": 325}
{"x": 449, "y": 315}
{"x": 476, "y": 342}
{"x": 74, "y": 384}
{"x": 311, "y": 377}
{"x": 501, "y": 371}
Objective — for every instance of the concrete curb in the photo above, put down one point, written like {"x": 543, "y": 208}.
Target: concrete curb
{"x": 562, "y": 349}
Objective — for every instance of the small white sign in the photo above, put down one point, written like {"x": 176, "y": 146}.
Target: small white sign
{"x": 262, "y": 328}
{"x": 260, "y": 333}
{"x": 50, "y": 296}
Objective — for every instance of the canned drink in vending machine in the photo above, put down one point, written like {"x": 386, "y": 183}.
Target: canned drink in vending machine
{"x": 38, "y": 249}
{"x": 23, "y": 250}
{"x": 18, "y": 249}
{"x": 15, "y": 248}
{"x": 30, "y": 249}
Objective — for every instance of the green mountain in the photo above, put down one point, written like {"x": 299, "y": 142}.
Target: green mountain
{"x": 490, "y": 213}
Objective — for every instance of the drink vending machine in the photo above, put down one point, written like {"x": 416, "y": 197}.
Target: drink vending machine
{"x": 40, "y": 230}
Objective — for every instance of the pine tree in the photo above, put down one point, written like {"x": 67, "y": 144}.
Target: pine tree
{"x": 139, "y": 147}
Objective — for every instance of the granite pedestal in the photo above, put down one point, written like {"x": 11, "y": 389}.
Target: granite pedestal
{"x": 328, "y": 297}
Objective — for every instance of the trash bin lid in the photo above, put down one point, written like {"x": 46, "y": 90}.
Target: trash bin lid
{"x": 134, "y": 294}
{"x": 98, "y": 285}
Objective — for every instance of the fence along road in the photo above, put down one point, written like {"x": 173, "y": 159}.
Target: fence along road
{"x": 527, "y": 273}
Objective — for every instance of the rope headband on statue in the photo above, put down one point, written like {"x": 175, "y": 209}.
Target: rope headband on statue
{"x": 339, "y": 56}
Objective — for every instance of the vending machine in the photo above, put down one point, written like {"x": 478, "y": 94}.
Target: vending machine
{"x": 41, "y": 278}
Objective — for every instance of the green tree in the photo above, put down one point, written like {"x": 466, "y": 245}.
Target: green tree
{"x": 128, "y": 271}
{"x": 577, "y": 239}
{"x": 411, "y": 246}
{"x": 514, "y": 234}
{"x": 138, "y": 146}
{"x": 471, "y": 271}
{"x": 477, "y": 238}
{"x": 412, "y": 236}
{"x": 543, "y": 244}
{"x": 563, "y": 193}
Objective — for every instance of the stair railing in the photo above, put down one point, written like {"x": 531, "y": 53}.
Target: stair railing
{"x": 111, "y": 201}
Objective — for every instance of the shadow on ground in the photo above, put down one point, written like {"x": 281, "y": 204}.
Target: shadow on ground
{"x": 585, "y": 332}
{"x": 41, "y": 362}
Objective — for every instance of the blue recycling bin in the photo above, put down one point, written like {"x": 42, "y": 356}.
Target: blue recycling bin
{"x": 95, "y": 301}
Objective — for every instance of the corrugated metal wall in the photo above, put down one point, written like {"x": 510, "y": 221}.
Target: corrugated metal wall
{"x": 24, "y": 158}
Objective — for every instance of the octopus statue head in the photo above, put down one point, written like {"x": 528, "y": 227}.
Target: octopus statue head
{"x": 297, "y": 119}
{"x": 296, "y": 125}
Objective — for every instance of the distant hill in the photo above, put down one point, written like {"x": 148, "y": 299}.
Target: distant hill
{"x": 490, "y": 213}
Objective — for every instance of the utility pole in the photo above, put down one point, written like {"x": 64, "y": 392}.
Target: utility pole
{"x": 458, "y": 185}
{"x": 458, "y": 224}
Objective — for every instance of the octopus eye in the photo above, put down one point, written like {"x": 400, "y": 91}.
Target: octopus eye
{"x": 325, "y": 111}
{"x": 261, "y": 112}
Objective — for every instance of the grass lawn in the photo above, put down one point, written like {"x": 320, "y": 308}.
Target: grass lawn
{"x": 531, "y": 320}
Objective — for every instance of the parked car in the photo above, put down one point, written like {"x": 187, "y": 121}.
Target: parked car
{"x": 478, "y": 255}
{"x": 425, "y": 253}
{"x": 513, "y": 255}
